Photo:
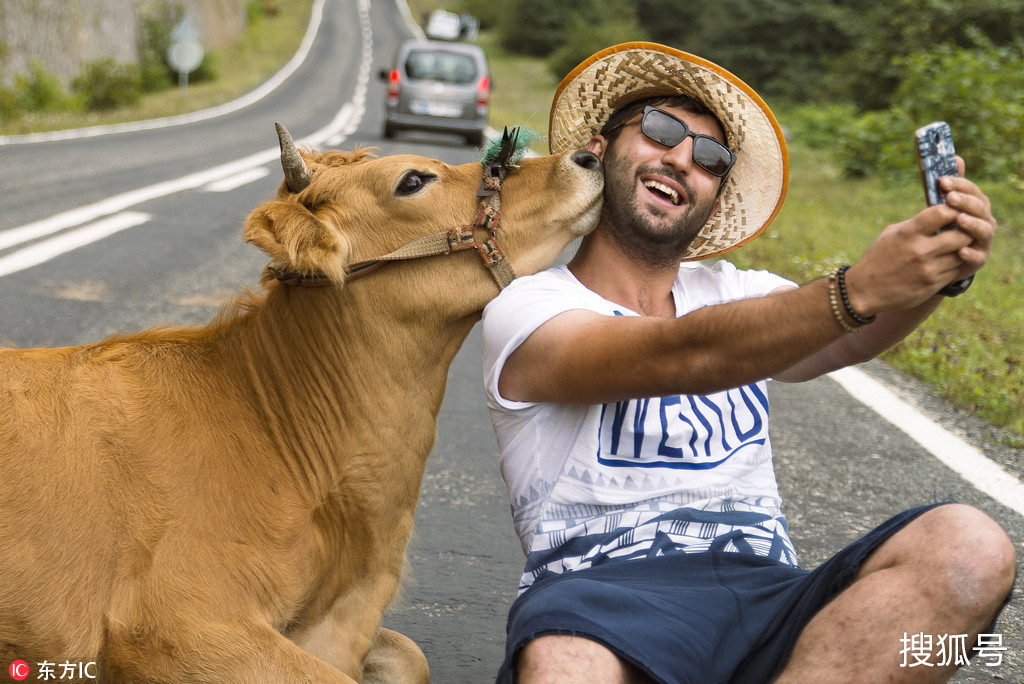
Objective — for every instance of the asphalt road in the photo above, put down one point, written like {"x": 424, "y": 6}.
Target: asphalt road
{"x": 842, "y": 468}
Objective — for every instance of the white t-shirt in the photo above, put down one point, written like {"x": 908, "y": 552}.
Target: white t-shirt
{"x": 635, "y": 478}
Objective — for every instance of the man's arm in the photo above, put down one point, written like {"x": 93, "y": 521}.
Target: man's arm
{"x": 584, "y": 357}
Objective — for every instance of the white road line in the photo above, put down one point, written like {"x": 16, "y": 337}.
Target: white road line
{"x": 62, "y": 244}
{"x": 256, "y": 95}
{"x": 967, "y": 461}
{"x": 238, "y": 180}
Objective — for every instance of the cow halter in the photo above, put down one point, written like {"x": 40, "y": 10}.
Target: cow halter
{"x": 456, "y": 239}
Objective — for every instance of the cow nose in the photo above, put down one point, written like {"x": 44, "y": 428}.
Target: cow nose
{"x": 587, "y": 160}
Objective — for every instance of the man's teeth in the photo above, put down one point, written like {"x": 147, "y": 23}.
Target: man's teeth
{"x": 662, "y": 188}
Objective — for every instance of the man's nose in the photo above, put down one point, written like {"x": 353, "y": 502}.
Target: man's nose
{"x": 681, "y": 156}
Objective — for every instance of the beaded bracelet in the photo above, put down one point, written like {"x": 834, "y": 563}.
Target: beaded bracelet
{"x": 833, "y": 299}
{"x": 841, "y": 280}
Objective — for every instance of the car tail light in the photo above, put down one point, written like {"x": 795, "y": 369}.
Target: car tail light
{"x": 394, "y": 86}
{"x": 483, "y": 94}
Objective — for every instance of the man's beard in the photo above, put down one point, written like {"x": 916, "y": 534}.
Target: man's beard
{"x": 639, "y": 234}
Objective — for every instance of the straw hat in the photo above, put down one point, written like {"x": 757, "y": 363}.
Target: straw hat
{"x": 615, "y": 77}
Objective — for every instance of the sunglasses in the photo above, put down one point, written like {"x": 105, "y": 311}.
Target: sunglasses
{"x": 667, "y": 130}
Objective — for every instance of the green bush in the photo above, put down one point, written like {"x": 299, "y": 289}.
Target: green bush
{"x": 584, "y": 35}
{"x": 978, "y": 91}
{"x": 8, "y": 104}
{"x": 40, "y": 91}
{"x": 878, "y": 142}
{"x": 155, "y": 38}
{"x": 104, "y": 85}
{"x": 538, "y": 27}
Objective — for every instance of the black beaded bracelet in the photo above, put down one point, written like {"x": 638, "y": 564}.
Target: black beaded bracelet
{"x": 841, "y": 281}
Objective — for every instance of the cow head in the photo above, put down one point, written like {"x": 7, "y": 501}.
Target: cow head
{"x": 335, "y": 208}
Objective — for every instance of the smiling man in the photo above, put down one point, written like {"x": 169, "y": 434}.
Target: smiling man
{"x": 628, "y": 391}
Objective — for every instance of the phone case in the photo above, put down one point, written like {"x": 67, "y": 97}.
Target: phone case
{"x": 936, "y": 156}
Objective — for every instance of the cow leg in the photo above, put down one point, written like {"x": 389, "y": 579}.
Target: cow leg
{"x": 228, "y": 654}
{"x": 395, "y": 658}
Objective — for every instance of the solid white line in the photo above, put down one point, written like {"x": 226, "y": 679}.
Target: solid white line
{"x": 62, "y": 244}
{"x": 238, "y": 180}
{"x": 967, "y": 461}
{"x": 255, "y": 96}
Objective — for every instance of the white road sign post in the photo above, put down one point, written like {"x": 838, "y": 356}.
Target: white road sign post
{"x": 186, "y": 52}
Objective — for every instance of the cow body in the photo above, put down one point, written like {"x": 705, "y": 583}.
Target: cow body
{"x": 232, "y": 502}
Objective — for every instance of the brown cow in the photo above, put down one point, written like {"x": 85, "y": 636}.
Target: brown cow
{"x": 232, "y": 502}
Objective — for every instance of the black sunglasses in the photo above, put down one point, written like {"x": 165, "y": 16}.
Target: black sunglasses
{"x": 667, "y": 130}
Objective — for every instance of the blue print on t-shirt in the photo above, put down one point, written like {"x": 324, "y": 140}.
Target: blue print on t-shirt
{"x": 686, "y": 432}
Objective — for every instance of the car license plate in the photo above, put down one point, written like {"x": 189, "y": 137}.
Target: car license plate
{"x": 433, "y": 108}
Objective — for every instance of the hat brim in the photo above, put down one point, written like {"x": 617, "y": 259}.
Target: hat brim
{"x": 617, "y": 76}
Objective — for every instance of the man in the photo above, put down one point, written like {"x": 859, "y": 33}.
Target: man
{"x": 629, "y": 398}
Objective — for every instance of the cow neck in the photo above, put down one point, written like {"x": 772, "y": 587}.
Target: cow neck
{"x": 338, "y": 377}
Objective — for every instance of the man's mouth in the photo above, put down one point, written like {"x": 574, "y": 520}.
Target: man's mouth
{"x": 663, "y": 190}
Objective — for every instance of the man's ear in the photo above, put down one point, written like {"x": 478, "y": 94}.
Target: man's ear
{"x": 597, "y": 145}
{"x": 297, "y": 241}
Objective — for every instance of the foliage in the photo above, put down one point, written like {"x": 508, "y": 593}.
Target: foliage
{"x": 882, "y": 34}
{"x": 104, "y": 85}
{"x": 157, "y": 25}
{"x": 39, "y": 91}
{"x": 616, "y": 23}
{"x": 979, "y": 92}
{"x": 778, "y": 46}
{"x": 8, "y": 104}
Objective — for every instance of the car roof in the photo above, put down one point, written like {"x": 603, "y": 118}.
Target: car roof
{"x": 442, "y": 45}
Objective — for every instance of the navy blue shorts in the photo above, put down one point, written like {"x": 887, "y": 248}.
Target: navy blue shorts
{"x": 705, "y": 618}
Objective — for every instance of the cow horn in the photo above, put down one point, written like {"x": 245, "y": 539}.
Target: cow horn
{"x": 296, "y": 174}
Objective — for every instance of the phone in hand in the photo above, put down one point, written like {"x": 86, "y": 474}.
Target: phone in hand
{"x": 936, "y": 155}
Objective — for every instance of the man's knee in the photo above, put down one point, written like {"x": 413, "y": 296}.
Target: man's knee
{"x": 961, "y": 549}
{"x": 564, "y": 658}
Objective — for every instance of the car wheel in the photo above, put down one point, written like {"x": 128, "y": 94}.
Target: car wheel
{"x": 476, "y": 138}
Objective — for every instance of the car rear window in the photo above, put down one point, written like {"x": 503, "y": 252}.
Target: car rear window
{"x": 449, "y": 67}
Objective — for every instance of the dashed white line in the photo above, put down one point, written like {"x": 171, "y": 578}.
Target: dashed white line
{"x": 62, "y": 244}
{"x": 238, "y": 180}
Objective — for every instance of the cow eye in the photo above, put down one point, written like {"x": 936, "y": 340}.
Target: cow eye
{"x": 412, "y": 182}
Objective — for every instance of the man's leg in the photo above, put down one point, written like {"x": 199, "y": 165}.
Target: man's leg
{"x": 562, "y": 659}
{"x": 947, "y": 572}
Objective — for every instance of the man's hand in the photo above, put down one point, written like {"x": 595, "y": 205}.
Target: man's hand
{"x": 911, "y": 261}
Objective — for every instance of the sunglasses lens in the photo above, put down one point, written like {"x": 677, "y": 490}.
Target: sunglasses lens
{"x": 663, "y": 129}
{"x": 708, "y": 153}
{"x": 712, "y": 156}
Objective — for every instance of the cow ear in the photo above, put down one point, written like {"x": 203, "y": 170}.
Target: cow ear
{"x": 297, "y": 241}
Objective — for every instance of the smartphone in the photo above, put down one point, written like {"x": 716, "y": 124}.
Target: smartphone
{"x": 936, "y": 155}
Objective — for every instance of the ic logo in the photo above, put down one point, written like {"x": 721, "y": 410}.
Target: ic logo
{"x": 19, "y": 670}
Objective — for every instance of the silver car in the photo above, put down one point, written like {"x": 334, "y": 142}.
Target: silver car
{"x": 438, "y": 87}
